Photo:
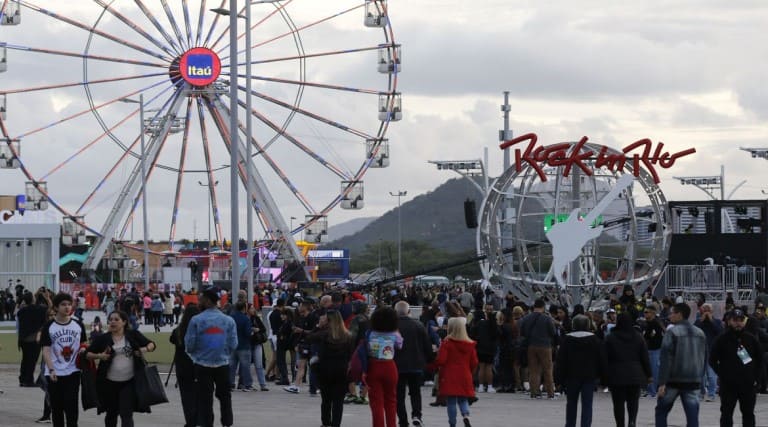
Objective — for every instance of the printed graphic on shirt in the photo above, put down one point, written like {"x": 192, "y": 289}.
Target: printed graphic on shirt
{"x": 64, "y": 340}
{"x": 214, "y": 338}
{"x": 382, "y": 347}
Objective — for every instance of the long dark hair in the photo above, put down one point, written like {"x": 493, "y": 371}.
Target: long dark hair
{"x": 124, "y": 317}
{"x": 189, "y": 312}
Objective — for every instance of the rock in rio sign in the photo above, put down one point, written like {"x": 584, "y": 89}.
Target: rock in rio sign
{"x": 200, "y": 66}
{"x": 570, "y": 155}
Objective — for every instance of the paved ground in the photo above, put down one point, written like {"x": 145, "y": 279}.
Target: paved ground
{"x": 276, "y": 408}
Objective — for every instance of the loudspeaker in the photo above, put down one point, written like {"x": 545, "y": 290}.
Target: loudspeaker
{"x": 470, "y": 213}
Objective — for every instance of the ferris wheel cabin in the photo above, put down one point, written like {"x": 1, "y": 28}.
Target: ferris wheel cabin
{"x": 354, "y": 197}
{"x": 37, "y": 200}
{"x": 317, "y": 229}
{"x": 9, "y": 160}
{"x": 11, "y": 13}
{"x": 390, "y": 107}
{"x": 376, "y": 13}
{"x": 380, "y": 156}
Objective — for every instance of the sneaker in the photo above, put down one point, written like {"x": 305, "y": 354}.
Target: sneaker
{"x": 264, "y": 388}
{"x": 490, "y": 389}
{"x": 710, "y": 399}
{"x": 361, "y": 400}
{"x": 467, "y": 423}
{"x": 429, "y": 383}
{"x": 43, "y": 420}
{"x": 351, "y": 398}
{"x": 246, "y": 389}
{"x": 292, "y": 389}
{"x": 417, "y": 421}
{"x": 605, "y": 390}
{"x": 479, "y": 389}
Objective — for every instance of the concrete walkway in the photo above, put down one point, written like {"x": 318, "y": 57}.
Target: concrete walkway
{"x": 276, "y": 408}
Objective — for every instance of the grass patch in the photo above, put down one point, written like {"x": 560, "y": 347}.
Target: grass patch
{"x": 163, "y": 354}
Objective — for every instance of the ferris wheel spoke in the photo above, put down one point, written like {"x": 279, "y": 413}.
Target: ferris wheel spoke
{"x": 158, "y": 26}
{"x": 309, "y": 114}
{"x": 225, "y": 31}
{"x": 86, "y": 146}
{"x": 209, "y": 168}
{"x": 317, "y": 85}
{"x": 80, "y": 55}
{"x": 106, "y": 177}
{"x": 80, "y": 83}
{"x": 93, "y": 30}
{"x": 213, "y": 24}
{"x": 200, "y": 21}
{"x": 318, "y": 158}
{"x": 187, "y": 22}
{"x": 135, "y": 27}
{"x": 261, "y": 151}
{"x": 312, "y": 55}
{"x": 89, "y": 110}
{"x": 127, "y": 151}
{"x": 174, "y": 25}
{"x": 304, "y": 27}
{"x": 180, "y": 173}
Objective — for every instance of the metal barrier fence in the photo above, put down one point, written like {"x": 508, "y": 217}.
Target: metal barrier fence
{"x": 712, "y": 281}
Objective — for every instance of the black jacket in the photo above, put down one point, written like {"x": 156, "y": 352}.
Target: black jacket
{"x": 31, "y": 318}
{"x": 101, "y": 343}
{"x": 627, "y": 358}
{"x": 486, "y": 331}
{"x": 333, "y": 355}
{"x": 580, "y": 357}
{"x": 727, "y": 364}
{"x": 417, "y": 349}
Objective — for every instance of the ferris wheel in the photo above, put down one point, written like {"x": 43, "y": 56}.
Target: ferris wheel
{"x": 79, "y": 75}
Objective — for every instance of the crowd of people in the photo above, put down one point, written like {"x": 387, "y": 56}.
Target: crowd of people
{"x": 348, "y": 348}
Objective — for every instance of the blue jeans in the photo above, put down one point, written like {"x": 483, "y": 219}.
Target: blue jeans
{"x": 709, "y": 381}
{"x": 574, "y": 388}
{"x": 690, "y": 406}
{"x": 463, "y": 404}
{"x": 258, "y": 361}
{"x": 654, "y": 356}
{"x": 240, "y": 361}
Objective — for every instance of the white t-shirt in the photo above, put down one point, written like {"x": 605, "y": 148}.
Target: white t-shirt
{"x": 64, "y": 339}
{"x": 121, "y": 368}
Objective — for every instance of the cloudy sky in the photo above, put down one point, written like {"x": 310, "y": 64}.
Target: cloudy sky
{"x": 687, "y": 73}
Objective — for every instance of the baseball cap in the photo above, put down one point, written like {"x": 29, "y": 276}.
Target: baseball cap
{"x": 737, "y": 313}
{"x": 212, "y": 293}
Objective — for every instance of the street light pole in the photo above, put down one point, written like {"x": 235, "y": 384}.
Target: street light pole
{"x": 249, "y": 134}
{"x": 399, "y": 194}
{"x": 233, "y": 129}
{"x": 142, "y": 130}
{"x": 233, "y": 149}
{"x": 144, "y": 194}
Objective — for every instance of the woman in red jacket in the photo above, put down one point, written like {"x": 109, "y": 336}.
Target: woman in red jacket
{"x": 456, "y": 361}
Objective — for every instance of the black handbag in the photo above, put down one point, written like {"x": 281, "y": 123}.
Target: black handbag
{"x": 258, "y": 338}
{"x": 89, "y": 396}
{"x": 147, "y": 385}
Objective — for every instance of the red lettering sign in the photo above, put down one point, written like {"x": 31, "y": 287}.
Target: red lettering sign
{"x": 564, "y": 154}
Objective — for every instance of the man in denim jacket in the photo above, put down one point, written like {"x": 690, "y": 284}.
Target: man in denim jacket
{"x": 683, "y": 351}
{"x": 210, "y": 340}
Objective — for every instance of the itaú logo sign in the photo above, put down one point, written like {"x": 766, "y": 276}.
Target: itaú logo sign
{"x": 200, "y": 66}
